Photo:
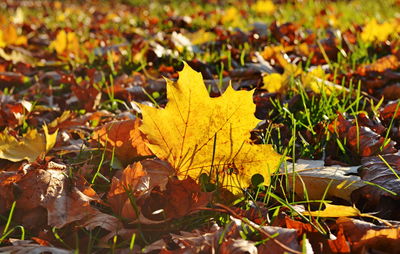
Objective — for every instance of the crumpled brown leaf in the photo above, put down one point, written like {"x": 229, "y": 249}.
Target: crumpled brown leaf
{"x": 137, "y": 180}
{"x": 360, "y": 140}
{"x": 197, "y": 241}
{"x": 384, "y": 196}
{"x": 50, "y": 189}
{"x": 181, "y": 197}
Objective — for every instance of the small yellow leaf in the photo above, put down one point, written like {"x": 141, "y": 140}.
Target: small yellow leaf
{"x": 197, "y": 134}
{"x": 60, "y": 43}
{"x": 335, "y": 211}
{"x": 65, "y": 42}
{"x": 2, "y": 41}
{"x": 201, "y": 36}
{"x": 378, "y": 32}
{"x": 50, "y": 138}
{"x": 273, "y": 82}
{"x": 9, "y": 36}
{"x": 264, "y": 7}
{"x": 28, "y": 148}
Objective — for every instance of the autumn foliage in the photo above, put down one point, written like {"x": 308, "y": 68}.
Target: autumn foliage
{"x": 199, "y": 127}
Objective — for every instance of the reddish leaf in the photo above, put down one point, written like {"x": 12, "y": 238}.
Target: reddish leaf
{"x": 367, "y": 236}
{"x": 383, "y": 196}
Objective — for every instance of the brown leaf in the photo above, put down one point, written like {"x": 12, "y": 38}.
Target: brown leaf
{"x": 286, "y": 236}
{"x": 7, "y": 185}
{"x": 198, "y": 241}
{"x": 367, "y": 236}
{"x": 237, "y": 246}
{"x": 360, "y": 140}
{"x": 320, "y": 243}
{"x": 380, "y": 65}
{"x": 26, "y": 248}
{"x": 138, "y": 180}
{"x": 125, "y": 137}
{"x": 389, "y": 111}
{"x": 384, "y": 196}
{"x": 52, "y": 189}
{"x": 180, "y": 198}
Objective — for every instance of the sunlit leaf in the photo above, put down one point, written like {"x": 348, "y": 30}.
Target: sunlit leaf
{"x": 29, "y": 147}
{"x": 335, "y": 211}
{"x": 198, "y": 134}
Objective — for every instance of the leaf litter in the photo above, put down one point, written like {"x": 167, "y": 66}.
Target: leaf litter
{"x": 108, "y": 144}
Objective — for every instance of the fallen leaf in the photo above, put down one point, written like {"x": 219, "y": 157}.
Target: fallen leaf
{"x": 367, "y": 236}
{"x": 313, "y": 178}
{"x": 198, "y": 134}
{"x": 381, "y": 195}
{"x": 335, "y": 211}
{"x": 265, "y": 7}
{"x": 137, "y": 180}
{"x": 51, "y": 189}
{"x": 239, "y": 246}
{"x": 180, "y": 198}
{"x": 9, "y": 36}
{"x": 287, "y": 236}
{"x": 29, "y": 147}
{"x": 319, "y": 242}
{"x": 380, "y": 65}
{"x": 26, "y": 248}
{"x": 7, "y": 181}
{"x": 65, "y": 42}
{"x": 124, "y": 139}
{"x": 207, "y": 241}
{"x": 373, "y": 31}
{"x": 361, "y": 141}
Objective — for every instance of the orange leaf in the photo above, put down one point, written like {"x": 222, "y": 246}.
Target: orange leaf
{"x": 125, "y": 137}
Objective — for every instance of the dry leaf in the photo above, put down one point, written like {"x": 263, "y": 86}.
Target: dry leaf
{"x": 32, "y": 248}
{"x": 335, "y": 211}
{"x": 237, "y": 246}
{"x": 51, "y": 189}
{"x": 286, "y": 236}
{"x": 29, "y": 147}
{"x": 319, "y": 242}
{"x": 65, "y": 42}
{"x": 367, "y": 236}
{"x": 198, "y": 134}
{"x": 138, "y": 180}
{"x": 312, "y": 176}
{"x": 125, "y": 137}
{"x": 180, "y": 198}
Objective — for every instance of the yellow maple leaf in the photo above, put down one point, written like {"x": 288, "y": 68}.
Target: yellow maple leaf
{"x": 9, "y": 36}
{"x": 65, "y": 42}
{"x": 198, "y": 134}
{"x": 273, "y": 82}
{"x": 378, "y": 32}
{"x": 264, "y": 7}
{"x": 29, "y": 147}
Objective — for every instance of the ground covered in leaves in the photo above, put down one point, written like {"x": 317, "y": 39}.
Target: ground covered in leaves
{"x": 205, "y": 127}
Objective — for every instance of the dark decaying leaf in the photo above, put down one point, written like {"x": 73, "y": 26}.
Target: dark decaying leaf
{"x": 382, "y": 195}
{"x": 181, "y": 197}
{"x": 361, "y": 140}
